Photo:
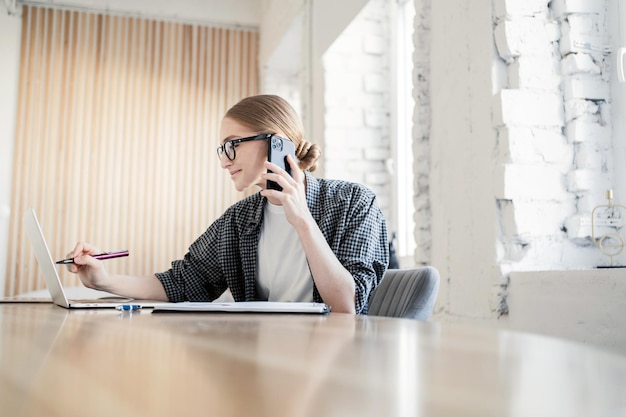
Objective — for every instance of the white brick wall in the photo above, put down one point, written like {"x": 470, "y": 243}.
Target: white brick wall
{"x": 552, "y": 178}
{"x": 357, "y": 101}
{"x": 422, "y": 122}
{"x": 529, "y": 108}
{"x": 551, "y": 153}
{"x": 533, "y": 146}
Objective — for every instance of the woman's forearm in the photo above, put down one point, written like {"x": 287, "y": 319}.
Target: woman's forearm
{"x": 145, "y": 288}
{"x": 333, "y": 281}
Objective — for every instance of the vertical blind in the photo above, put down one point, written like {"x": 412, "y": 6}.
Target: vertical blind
{"x": 117, "y": 126}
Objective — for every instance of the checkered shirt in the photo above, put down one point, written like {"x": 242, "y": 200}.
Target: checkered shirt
{"x": 225, "y": 255}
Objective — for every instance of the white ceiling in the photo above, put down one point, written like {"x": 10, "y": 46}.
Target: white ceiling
{"x": 246, "y": 13}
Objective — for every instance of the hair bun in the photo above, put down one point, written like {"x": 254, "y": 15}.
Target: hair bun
{"x": 308, "y": 154}
{"x": 303, "y": 149}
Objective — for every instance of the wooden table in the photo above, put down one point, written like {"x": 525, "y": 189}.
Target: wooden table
{"x": 55, "y": 362}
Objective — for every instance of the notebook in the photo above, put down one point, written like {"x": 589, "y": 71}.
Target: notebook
{"x": 51, "y": 275}
{"x": 245, "y": 307}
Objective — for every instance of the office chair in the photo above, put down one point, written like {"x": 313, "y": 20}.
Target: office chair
{"x": 407, "y": 293}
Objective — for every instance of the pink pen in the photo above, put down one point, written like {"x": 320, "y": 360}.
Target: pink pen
{"x": 101, "y": 256}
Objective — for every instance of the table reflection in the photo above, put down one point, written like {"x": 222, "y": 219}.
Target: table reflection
{"x": 98, "y": 363}
{"x": 568, "y": 382}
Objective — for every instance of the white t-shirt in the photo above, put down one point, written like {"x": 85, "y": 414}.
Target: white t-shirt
{"x": 283, "y": 271}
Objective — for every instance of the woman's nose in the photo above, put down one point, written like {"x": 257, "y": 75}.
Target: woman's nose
{"x": 224, "y": 161}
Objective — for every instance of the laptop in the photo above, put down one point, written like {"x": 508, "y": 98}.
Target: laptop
{"x": 51, "y": 275}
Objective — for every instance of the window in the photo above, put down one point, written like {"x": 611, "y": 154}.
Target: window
{"x": 617, "y": 16}
{"x": 403, "y": 126}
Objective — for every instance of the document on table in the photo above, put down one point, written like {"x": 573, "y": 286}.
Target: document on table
{"x": 245, "y": 307}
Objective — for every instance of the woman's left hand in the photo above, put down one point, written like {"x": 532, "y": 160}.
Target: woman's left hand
{"x": 293, "y": 196}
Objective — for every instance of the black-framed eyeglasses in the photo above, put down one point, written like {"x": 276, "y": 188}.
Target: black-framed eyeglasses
{"x": 229, "y": 146}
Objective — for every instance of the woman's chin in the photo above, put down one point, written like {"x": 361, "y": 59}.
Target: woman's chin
{"x": 241, "y": 188}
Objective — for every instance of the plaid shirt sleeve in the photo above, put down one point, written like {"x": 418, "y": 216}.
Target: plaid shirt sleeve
{"x": 354, "y": 227}
{"x": 224, "y": 256}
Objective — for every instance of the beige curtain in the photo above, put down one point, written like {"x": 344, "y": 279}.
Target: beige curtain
{"x": 117, "y": 127}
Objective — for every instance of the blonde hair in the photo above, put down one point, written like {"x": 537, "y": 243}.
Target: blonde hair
{"x": 272, "y": 114}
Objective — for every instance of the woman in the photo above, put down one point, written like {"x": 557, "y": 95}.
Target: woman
{"x": 315, "y": 240}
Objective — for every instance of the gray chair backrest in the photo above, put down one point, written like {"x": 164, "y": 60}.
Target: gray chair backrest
{"x": 407, "y": 293}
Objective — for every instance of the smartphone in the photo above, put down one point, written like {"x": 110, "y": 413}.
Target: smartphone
{"x": 277, "y": 151}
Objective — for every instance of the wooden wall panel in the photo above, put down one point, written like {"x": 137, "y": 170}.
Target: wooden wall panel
{"x": 117, "y": 127}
